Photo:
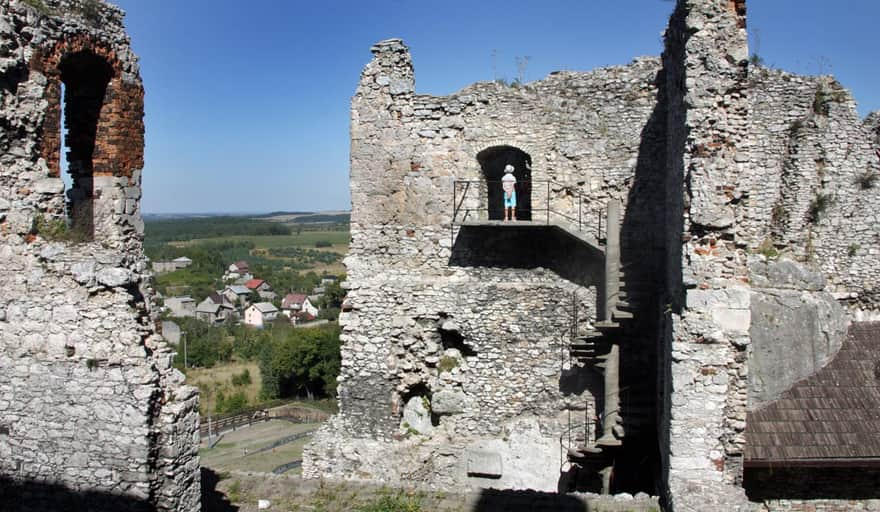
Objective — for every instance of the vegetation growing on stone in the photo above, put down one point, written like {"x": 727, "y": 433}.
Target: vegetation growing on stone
{"x": 57, "y": 230}
{"x": 866, "y": 180}
{"x": 393, "y": 502}
{"x": 768, "y": 249}
{"x": 447, "y": 364}
{"x": 39, "y": 6}
{"x": 819, "y": 206}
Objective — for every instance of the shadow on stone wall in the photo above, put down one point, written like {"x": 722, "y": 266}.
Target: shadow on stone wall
{"x": 643, "y": 241}
{"x": 528, "y": 247}
{"x": 29, "y": 496}
{"x": 828, "y": 483}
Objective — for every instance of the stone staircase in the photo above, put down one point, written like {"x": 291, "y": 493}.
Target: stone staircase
{"x": 626, "y": 411}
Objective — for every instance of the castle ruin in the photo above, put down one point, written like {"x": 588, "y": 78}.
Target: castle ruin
{"x": 636, "y": 329}
{"x": 92, "y": 415}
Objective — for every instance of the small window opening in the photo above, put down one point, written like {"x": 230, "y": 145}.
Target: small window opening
{"x": 84, "y": 78}
{"x": 417, "y": 416}
{"x": 454, "y": 339}
{"x": 492, "y": 161}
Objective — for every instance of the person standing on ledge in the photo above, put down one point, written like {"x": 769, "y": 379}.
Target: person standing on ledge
{"x": 508, "y": 184}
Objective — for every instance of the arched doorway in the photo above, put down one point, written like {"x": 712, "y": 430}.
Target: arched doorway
{"x": 492, "y": 162}
{"x": 85, "y": 77}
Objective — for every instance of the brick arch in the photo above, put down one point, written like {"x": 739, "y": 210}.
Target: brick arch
{"x": 119, "y": 138}
{"x": 104, "y": 109}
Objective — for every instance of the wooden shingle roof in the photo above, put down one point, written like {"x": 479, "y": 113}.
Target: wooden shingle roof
{"x": 829, "y": 418}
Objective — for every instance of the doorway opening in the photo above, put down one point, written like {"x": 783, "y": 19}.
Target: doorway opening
{"x": 492, "y": 161}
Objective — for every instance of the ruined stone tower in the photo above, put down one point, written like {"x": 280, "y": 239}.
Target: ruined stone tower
{"x": 91, "y": 412}
{"x": 636, "y": 329}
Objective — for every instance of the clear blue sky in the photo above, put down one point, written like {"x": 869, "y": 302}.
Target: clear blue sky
{"x": 247, "y": 105}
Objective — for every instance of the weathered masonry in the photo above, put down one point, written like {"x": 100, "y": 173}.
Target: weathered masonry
{"x": 696, "y": 257}
{"x": 92, "y": 415}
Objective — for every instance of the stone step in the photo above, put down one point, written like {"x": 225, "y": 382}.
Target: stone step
{"x": 606, "y": 324}
{"x": 624, "y": 305}
{"x": 621, "y": 315}
{"x": 608, "y": 441}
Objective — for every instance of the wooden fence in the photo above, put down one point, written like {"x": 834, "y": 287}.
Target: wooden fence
{"x": 232, "y": 422}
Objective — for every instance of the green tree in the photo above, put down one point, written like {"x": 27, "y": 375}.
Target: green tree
{"x": 333, "y": 295}
{"x": 305, "y": 362}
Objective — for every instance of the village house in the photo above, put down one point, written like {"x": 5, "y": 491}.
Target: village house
{"x": 259, "y": 314}
{"x": 162, "y": 267}
{"x": 181, "y": 306}
{"x": 262, "y": 288}
{"x": 215, "y": 309}
{"x": 182, "y": 262}
{"x": 296, "y": 304}
{"x": 237, "y": 294}
{"x": 322, "y": 286}
{"x": 238, "y": 270}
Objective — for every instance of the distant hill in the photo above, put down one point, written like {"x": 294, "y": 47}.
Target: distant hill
{"x": 294, "y": 217}
{"x": 327, "y": 217}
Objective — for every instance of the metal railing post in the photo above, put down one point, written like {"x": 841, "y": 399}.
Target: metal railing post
{"x": 454, "y": 214}
{"x": 454, "y": 201}
{"x": 548, "y": 202}
{"x": 580, "y": 204}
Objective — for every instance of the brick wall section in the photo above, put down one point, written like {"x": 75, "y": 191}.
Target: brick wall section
{"x": 120, "y": 134}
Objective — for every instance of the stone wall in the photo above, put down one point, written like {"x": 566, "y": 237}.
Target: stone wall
{"x": 483, "y": 355}
{"x": 706, "y": 325}
{"x": 718, "y": 167}
{"x": 810, "y": 191}
{"x": 90, "y": 408}
{"x": 410, "y": 270}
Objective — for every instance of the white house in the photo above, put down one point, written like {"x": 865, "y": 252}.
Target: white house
{"x": 259, "y": 314}
{"x": 238, "y": 270}
{"x": 297, "y": 303}
{"x": 182, "y": 262}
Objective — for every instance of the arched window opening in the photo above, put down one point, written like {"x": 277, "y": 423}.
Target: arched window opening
{"x": 492, "y": 161}
{"x": 84, "y": 77}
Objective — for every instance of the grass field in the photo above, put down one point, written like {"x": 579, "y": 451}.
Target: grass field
{"x": 238, "y": 450}
{"x": 209, "y": 380}
{"x": 338, "y": 239}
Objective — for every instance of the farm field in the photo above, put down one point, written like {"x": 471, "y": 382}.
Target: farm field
{"x": 338, "y": 239}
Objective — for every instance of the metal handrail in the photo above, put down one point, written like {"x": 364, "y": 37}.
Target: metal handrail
{"x": 461, "y": 213}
